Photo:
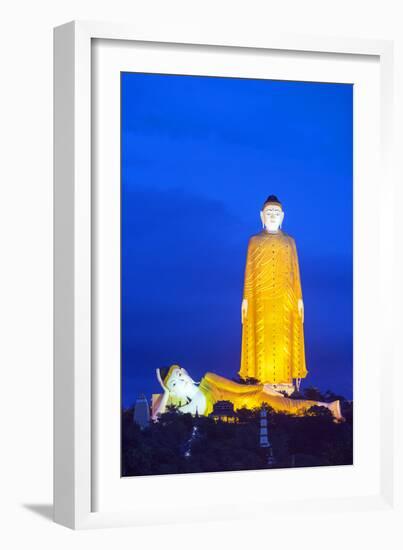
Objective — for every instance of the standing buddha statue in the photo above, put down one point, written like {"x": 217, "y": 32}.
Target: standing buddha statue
{"x": 272, "y": 309}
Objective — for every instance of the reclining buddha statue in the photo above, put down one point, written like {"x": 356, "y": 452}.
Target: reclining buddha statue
{"x": 188, "y": 396}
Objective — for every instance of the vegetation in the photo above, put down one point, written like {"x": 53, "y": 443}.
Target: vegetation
{"x": 180, "y": 443}
{"x": 249, "y": 380}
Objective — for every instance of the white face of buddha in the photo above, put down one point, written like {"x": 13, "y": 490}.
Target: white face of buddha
{"x": 272, "y": 217}
{"x": 180, "y": 384}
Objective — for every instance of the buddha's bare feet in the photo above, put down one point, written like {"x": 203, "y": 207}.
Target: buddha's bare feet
{"x": 336, "y": 412}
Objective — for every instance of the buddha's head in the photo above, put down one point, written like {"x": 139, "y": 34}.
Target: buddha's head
{"x": 177, "y": 381}
{"x": 272, "y": 214}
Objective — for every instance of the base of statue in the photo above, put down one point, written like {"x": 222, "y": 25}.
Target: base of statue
{"x": 282, "y": 389}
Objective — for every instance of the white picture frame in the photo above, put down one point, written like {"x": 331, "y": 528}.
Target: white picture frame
{"x": 77, "y": 391}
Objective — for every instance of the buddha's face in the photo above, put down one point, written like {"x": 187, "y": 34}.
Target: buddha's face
{"x": 272, "y": 217}
{"x": 180, "y": 384}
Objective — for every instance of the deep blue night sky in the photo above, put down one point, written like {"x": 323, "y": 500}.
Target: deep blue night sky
{"x": 199, "y": 156}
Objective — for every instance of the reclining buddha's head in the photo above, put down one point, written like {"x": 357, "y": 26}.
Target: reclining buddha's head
{"x": 177, "y": 381}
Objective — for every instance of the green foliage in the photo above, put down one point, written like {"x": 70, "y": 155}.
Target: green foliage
{"x": 311, "y": 440}
{"x": 313, "y": 394}
{"x": 248, "y": 381}
{"x": 317, "y": 410}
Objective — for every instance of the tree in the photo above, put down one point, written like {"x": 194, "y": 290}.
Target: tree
{"x": 313, "y": 394}
{"x": 246, "y": 415}
{"x": 317, "y": 410}
{"x": 313, "y": 439}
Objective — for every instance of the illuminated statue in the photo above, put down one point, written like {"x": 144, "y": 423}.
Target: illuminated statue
{"x": 272, "y": 310}
{"x": 181, "y": 391}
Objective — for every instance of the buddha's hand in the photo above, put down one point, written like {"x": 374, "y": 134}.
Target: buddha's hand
{"x": 164, "y": 397}
{"x": 161, "y": 405}
{"x": 244, "y": 310}
{"x": 301, "y": 309}
{"x": 164, "y": 402}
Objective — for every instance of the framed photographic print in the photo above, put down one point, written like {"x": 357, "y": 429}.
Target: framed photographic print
{"x": 222, "y": 243}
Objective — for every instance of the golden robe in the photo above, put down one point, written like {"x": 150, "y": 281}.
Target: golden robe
{"x": 217, "y": 388}
{"x": 272, "y": 334}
